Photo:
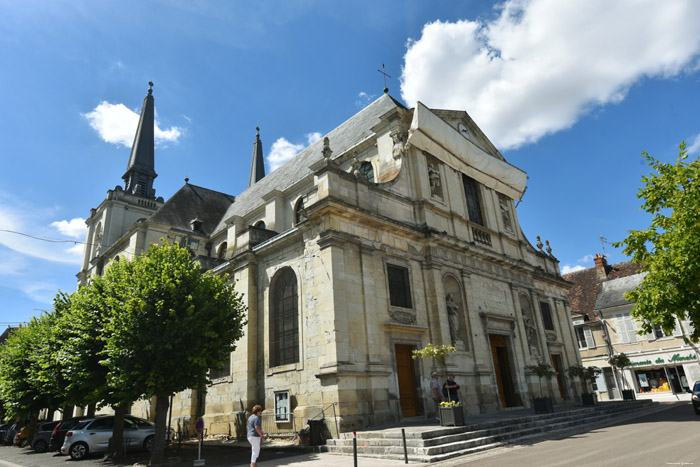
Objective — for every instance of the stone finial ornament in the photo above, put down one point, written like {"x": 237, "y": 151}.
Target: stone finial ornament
{"x": 356, "y": 165}
{"x": 326, "y": 148}
{"x": 549, "y": 248}
{"x": 150, "y": 88}
{"x": 539, "y": 243}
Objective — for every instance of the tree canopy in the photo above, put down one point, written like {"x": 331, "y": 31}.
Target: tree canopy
{"x": 669, "y": 249}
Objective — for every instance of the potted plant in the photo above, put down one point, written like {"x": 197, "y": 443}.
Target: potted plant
{"x": 587, "y": 375}
{"x": 542, "y": 370}
{"x": 450, "y": 412}
{"x": 621, "y": 361}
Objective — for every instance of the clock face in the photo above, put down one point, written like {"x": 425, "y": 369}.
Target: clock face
{"x": 463, "y": 130}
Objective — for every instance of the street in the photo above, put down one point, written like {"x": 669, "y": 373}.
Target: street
{"x": 666, "y": 437}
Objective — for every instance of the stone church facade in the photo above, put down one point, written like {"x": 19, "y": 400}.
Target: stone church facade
{"x": 396, "y": 230}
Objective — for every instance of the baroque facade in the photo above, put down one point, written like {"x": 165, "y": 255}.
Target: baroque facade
{"x": 397, "y": 229}
{"x": 660, "y": 362}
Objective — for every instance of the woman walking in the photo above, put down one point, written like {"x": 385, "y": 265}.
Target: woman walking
{"x": 255, "y": 434}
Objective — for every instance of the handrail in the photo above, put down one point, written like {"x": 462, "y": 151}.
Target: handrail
{"x": 322, "y": 413}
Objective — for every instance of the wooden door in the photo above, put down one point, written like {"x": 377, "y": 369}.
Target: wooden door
{"x": 407, "y": 380}
{"x": 501, "y": 366}
{"x": 557, "y": 365}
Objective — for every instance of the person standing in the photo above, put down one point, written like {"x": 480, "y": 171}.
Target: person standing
{"x": 450, "y": 389}
{"x": 435, "y": 392}
{"x": 255, "y": 434}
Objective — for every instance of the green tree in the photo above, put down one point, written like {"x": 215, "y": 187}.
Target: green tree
{"x": 669, "y": 249}
{"x": 167, "y": 325}
{"x": 439, "y": 354}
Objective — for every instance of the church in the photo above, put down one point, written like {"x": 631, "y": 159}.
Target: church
{"x": 397, "y": 229}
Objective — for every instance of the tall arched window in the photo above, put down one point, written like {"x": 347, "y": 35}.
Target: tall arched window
{"x": 284, "y": 319}
{"x": 367, "y": 171}
{"x": 260, "y": 225}
{"x": 299, "y": 213}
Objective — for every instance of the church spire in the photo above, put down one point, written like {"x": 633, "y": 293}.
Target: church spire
{"x": 257, "y": 167}
{"x": 140, "y": 172}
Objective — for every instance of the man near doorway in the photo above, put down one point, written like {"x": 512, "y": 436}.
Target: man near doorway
{"x": 449, "y": 389}
{"x": 435, "y": 392}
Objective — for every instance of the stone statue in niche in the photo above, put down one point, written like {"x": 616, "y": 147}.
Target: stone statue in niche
{"x": 539, "y": 244}
{"x": 453, "y": 318}
{"x": 434, "y": 178}
{"x": 355, "y": 166}
{"x": 398, "y": 139}
{"x": 505, "y": 213}
{"x": 531, "y": 332}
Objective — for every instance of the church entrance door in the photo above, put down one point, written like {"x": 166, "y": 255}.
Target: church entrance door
{"x": 501, "y": 366}
{"x": 407, "y": 380}
{"x": 557, "y": 365}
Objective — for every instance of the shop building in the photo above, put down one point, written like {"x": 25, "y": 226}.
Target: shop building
{"x": 661, "y": 362}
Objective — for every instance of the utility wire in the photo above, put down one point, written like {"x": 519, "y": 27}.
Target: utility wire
{"x": 50, "y": 240}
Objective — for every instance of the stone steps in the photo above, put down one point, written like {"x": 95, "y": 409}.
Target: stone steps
{"x": 438, "y": 443}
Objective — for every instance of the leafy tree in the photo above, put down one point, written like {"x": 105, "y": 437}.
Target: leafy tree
{"x": 621, "y": 361}
{"x": 167, "y": 325}
{"x": 541, "y": 370}
{"x": 669, "y": 248}
{"x": 439, "y": 353}
{"x": 587, "y": 374}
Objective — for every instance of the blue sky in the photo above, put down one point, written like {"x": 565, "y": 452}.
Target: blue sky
{"x": 571, "y": 92}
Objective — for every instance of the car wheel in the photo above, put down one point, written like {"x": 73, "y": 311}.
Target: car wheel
{"x": 78, "y": 451}
{"x": 41, "y": 446}
{"x": 148, "y": 443}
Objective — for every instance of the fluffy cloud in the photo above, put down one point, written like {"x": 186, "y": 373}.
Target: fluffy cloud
{"x": 540, "y": 65}
{"x": 116, "y": 124}
{"x": 75, "y": 228}
{"x": 694, "y": 145}
{"x": 364, "y": 99}
{"x": 282, "y": 150}
{"x": 569, "y": 269}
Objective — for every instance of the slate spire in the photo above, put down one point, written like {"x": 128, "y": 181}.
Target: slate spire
{"x": 257, "y": 167}
{"x": 140, "y": 172}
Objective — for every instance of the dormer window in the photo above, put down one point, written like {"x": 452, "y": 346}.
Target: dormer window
{"x": 222, "y": 251}
{"x": 260, "y": 225}
{"x": 196, "y": 224}
{"x": 367, "y": 171}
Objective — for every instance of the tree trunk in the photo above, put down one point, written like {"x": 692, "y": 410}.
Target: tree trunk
{"x": 67, "y": 412}
{"x": 158, "y": 454}
{"x": 115, "y": 450}
{"x": 33, "y": 422}
{"x": 91, "y": 410}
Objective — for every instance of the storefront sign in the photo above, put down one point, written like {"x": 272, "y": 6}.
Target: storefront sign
{"x": 677, "y": 357}
{"x": 659, "y": 360}
{"x": 644, "y": 362}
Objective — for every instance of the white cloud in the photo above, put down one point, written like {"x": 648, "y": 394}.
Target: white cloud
{"x": 364, "y": 99}
{"x": 569, "y": 269}
{"x": 694, "y": 146}
{"x": 540, "y": 65}
{"x": 585, "y": 259}
{"x": 311, "y": 138}
{"x": 282, "y": 150}
{"x": 116, "y": 124}
{"x": 75, "y": 228}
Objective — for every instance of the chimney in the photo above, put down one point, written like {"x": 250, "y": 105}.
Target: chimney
{"x": 601, "y": 266}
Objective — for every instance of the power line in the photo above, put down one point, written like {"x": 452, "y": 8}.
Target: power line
{"x": 50, "y": 240}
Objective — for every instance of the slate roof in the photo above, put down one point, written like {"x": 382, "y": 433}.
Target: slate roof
{"x": 354, "y": 130}
{"x": 588, "y": 287}
{"x": 190, "y": 202}
{"x": 612, "y": 291}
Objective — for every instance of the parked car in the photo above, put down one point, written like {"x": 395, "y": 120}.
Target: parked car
{"x": 42, "y": 437}
{"x": 3, "y": 430}
{"x": 11, "y": 433}
{"x": 59, "y": 432}
{"x": 696, "y": 397}
{"x": 92, "y": 436}
{"x": 22, "y": 437}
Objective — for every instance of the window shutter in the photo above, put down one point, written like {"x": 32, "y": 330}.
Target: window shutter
{"x": 651, "y": 336}
{"x": 590, "y": 343}
{"x": 600, "y": 383}
{"x": 631, "y": 329}
{"x": 622, "y": 329}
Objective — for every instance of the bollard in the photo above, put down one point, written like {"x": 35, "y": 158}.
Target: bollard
{"x": 405, "y": 451}
{"x": 354, "y": 448}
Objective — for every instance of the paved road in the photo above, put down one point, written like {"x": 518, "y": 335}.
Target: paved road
{"x": 667, "y": 437}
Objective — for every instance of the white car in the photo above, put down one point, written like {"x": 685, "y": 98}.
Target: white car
{"x": 92, "y": 436}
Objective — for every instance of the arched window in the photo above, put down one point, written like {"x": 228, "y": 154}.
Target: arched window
{"x": 299, "y": 213}
{"x": 367, "y": 171}
{"x": 260, "y": 225}
{"x": 222, "y": 250}
{"x": 284, "y": 319}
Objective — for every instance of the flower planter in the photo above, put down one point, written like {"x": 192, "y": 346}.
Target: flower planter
{"x": 544, "y": 405}
{"x": 589, "y": 400}
{"x": 628, "y": 395}
{"x": 451, "y": 416}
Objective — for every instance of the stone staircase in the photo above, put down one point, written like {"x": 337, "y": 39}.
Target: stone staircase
{"x": 433, "y": 444}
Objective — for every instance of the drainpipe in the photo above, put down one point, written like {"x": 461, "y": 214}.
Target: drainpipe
{"x": 608, "y": 345}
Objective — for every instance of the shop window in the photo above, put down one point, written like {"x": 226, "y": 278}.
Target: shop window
{"x": 282, "y": 408}
{"x": 547, "y": 316}
{"x": 471, "y": 192}
{"x": 284, "y": 319}
{"x": 626, "y": 328}
{"x": 584, "y": 335}
{"x": 399, "y": 286}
